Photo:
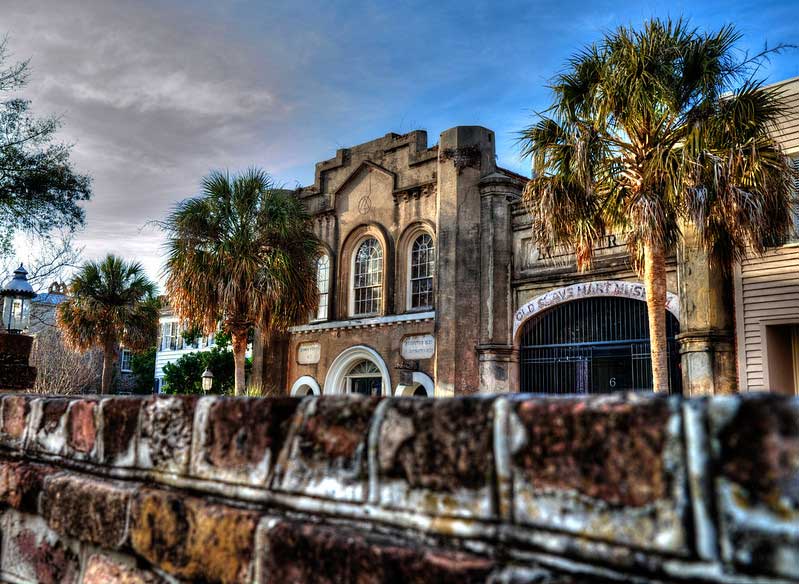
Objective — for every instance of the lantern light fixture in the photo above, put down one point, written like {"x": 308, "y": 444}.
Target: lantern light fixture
{"x": 17, "y": 296}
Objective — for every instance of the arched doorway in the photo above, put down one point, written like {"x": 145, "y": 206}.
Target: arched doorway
{"x": 358, "y": 369}
{"x": 304, "y": 386}
{"x": 420, "y": 386}
{"x": 593, "y": 345}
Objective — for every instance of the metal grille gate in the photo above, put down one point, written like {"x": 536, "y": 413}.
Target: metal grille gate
{"x": 593, "y": 345}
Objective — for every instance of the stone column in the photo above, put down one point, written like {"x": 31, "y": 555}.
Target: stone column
{"x": 495, "y": 350}
{"x": 707, "y": 340}
{"x": 466, "y": 154}
{"x": 15, "y": 372}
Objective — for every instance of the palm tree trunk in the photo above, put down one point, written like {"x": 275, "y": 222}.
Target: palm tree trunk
{"x": 109, "y": 359}
{"x": 655, "y": 281}
{"x": 239, "y": 342}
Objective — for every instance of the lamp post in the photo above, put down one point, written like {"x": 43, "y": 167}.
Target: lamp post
{"x": 17, "y": 295}
{"x": 208, "y": 380}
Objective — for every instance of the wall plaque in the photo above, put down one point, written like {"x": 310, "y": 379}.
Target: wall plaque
{"x": 308, "y": 353}
{"x": 418, "y": 347}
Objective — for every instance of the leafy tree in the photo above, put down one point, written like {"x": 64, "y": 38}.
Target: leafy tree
{"x": 143, "y": 366}
{"x": 184, "y": 376}
{"x": 39, "y": 189}
{"x": 242, "y": 254}
{"x": 652, "y": 131}
{"x": 111, "y": 301}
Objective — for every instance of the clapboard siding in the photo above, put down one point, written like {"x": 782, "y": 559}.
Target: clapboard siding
{"x": 767, "y": 286}
{"x": 768, "y": 289}
{"x": 787, "y": 131}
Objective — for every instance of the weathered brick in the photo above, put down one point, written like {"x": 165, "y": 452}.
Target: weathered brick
{"x": 327, "y": 454}
{"x": 192, "y": 539}
{"x": 34, "y": 553}
{"x": 21, "y": 482}
{"x": 16, "y": 409}
{"x": 238, "y": 439}
{"x": 47, "y": 427}
{"x": 166, "y": 432}
{"x": 89, "y": 510}
{"x": 102, "y": 569}
{"x": 611, "y": 468}
{"x": 436, "y": 456}
{"x": 756, "y": 456}
{"x": 120, "y": 416}
{"x": 81, "y": 428}
{"x": 302, "y": 552}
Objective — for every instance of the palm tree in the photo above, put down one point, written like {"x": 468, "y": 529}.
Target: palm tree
{"x": 111, "y": 301}
{"x": 241, "y": 255}
{"x": 655, "y": 130}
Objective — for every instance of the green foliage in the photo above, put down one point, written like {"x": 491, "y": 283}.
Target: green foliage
{"x": 39, "y": 189}
{"x": 111, "y": 301}
{"x": 653, "y": 128}
{"x": 244, "y": 255}
{"x": 191, "y": 334}
{"x": 143, "y": 366}
{"x": 184, "y": 376}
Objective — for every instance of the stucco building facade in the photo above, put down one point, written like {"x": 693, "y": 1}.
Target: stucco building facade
{"x": 430, "y": 285}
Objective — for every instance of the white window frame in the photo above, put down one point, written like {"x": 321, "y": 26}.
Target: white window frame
{"x": 323, "y": 312}
{"x": 409, "y": 279}
{"x": 375, "y": 374}
{"x": 129, "y": 354}
{"x": 380, "y": 286}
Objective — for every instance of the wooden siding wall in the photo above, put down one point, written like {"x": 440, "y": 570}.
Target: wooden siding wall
{"x": 787, "y": 132}
{"x": 767, "y": 288}
{"x": 767, "y": 292}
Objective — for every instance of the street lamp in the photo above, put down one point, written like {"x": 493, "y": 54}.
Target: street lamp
{"x": 208, "y": 380}
{"x": 17, "y": 295}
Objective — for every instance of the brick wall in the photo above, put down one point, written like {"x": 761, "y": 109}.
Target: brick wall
{"x": 348, "y": 489}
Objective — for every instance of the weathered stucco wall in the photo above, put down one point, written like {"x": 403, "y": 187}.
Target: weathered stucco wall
{"x": 349, "y": 489}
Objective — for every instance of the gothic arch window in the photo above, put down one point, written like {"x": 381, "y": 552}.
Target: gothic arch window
{"x": 421, "y": 268}
{"x": 367, "y": 278}
{"x": 323, "y": 285}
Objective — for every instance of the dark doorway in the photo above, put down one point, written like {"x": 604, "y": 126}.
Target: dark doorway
{"x": 593, "y": 345}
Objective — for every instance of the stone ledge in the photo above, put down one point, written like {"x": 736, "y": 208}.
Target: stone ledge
{"x": 616, "y": 484}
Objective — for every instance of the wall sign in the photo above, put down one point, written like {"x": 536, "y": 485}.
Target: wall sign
{"x": 614, "y": 288}
{"x": 308, "y": 353}
{"x": 418, "y": 347}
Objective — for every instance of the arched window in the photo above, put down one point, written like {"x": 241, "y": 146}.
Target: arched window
{"x": 365, "y": 378}
{"x": 323, "y": 284}
{"x": 367, "y": 281}
{"x": 421, "y": 268}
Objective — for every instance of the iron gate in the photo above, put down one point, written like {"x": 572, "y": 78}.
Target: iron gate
{"x": 593, "y": 345}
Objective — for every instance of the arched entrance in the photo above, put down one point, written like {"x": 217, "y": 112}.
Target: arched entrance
{"x": 421, "y": 386}
{"x": 592, "y": 345}
{"x": 358, "y": 369}
{"x": 305, "y": 385}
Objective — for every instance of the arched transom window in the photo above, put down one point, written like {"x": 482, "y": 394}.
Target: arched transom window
{"x": 323, "y": 284}
{"x": 422, "y": 266}
{"x": 367, "y": 278}
{"x": 365, "y": 378}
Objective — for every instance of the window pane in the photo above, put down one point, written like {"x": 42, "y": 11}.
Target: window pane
{"x": 323, "y": 285}
{"x": 368, "y": 277}
{"x": 421, "y": 271}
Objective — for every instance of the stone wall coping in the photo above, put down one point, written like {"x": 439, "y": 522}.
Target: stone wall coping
{"x": 622, "y": 487}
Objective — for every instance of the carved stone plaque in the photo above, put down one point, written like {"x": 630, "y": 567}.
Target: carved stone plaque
{"x": 418, "y": 347}
{"x": 308, "y": 353}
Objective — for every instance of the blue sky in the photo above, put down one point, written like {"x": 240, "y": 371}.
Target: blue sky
{"x": 154, "y": 94}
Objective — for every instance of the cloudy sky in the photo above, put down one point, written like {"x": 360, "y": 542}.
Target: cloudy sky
{"x": 153, "y": 94}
